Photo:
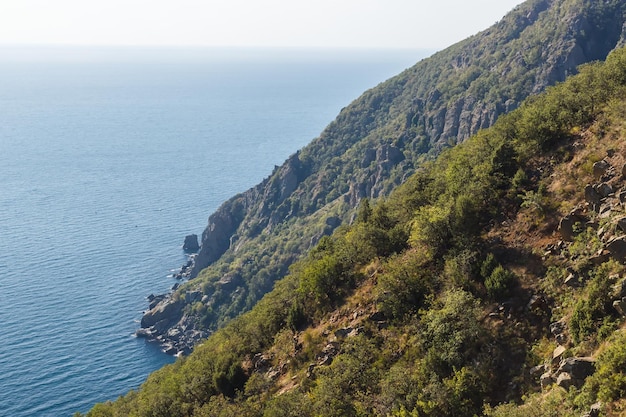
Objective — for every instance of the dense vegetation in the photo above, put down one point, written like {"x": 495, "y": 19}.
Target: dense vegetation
{"x": 437, "y": 300}
{"x": 378, "y": 141}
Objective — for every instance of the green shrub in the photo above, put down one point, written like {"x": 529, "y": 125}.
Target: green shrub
{"x": 405, "y": 284}
{"x": 499, "y": 282}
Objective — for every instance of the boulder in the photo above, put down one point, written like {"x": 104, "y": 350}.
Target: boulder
{"x": 565, "y": 380}
{"x": 557, "y": 327}
{"x": 605, "y": 210}
{"x": 168, "y": 310}
{"x": 558, "y": 330}
{"x": 617, "y": 248}
{"x": 546, "y": 380}
{"x": 147, "y": 333}
{"x": 591, "y": 195}
{"x": 600, "y": 168}
{"x": 331, "y": 348}
{"x": 537, "y": 302}
{"x": 604, "y": 190}
{"x": 155, "y": 300}
{"x": 620, "y": 306}
{"x": 343, "y": 332}
{"x": 191, "y": 244}
{"x": 578, "y": 367}
{"x": 561, "y": 339}
{"x": 566, "y": 227}
{"x": 537, "y": 371}
{"x": 557, "y": 354}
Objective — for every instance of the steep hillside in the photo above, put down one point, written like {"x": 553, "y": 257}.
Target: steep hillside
{"x": 492, "y": 282}
{"x": 374, "y": 145}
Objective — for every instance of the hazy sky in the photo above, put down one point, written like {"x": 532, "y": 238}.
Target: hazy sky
{"x": 300, "y": 23}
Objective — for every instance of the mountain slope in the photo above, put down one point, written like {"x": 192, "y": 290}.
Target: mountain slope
{"x": 493, "y": 276}
{"x": 375, "y": 144}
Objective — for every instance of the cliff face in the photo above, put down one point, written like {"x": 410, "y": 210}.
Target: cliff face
{"x": 264, "y": 205}
{"x": 382, "y": 137}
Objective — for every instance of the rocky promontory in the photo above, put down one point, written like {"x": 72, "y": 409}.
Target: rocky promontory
{"x": 167, "y": 324}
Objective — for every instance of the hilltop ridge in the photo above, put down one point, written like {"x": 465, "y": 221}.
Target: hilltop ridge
{"x": 375, "y": 144}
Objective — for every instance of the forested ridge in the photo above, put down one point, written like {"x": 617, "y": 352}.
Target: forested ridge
{"x": 491, "y": 282}
{"x": 375, "y": 144}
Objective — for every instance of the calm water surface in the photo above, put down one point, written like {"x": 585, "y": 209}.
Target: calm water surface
{"x": 108, "y": 158}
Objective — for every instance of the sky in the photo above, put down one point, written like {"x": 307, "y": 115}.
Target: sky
{"x": 419, "y": 24}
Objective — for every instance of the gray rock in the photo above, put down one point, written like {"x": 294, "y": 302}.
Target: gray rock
{"x": 605, "y": 210}
{"x": 591, "y": 195}
{"x": 600, "y": 168}
{"x": 331, "y": 348}
{"x": 620, "y": 306}
{"x": 161, "y": 326}
{"x": 155, "y": 300}
{"x": 168, "y": 310}
{"x": 546, "y": 380}
{"x": 617, "y": 248}
{"x": 537, "y": 371}
{"x": 170, "y": 349}
{"x": 557, "y": 354}
{"x": 578, "y": 367}
{"x": 141, "y": 332}
{"x": 561, "y": 339}
{"x": 604, "y": 190}
{"x": 325, "y": 360}
{"x": 537, "y": 302}
{"x": 565, "y": 380}
{"x": 191, "y": 244}
{"x": 343, "y": 332}
{"x": 174, "y": 334}
{"x": 557, "y": 327}
{"x": 566, "y": 228}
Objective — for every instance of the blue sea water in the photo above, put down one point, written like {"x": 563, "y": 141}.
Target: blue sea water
{"x": 108, "y": 158}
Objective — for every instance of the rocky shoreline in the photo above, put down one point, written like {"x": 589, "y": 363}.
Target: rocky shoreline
{"x": 165, "y": 322}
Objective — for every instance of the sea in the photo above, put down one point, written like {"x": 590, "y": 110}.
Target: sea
{"x": 109, "y": 156}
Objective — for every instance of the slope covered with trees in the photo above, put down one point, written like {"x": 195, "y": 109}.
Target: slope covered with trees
{"x": 377, "y": 143}
{"x": 491, "y": 282}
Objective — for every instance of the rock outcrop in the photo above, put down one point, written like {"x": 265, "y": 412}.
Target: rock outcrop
{"x": 167, "y": 324}
{"x": 191, "y": 244}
